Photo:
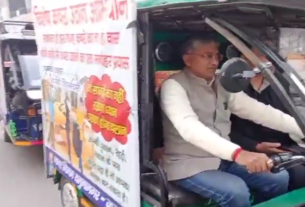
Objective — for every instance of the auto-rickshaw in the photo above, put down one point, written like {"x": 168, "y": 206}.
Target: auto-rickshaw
{"x": 106, "y": 137}
{"x": 20, "y": 84}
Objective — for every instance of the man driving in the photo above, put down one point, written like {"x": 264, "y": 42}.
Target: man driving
{"x": 253, "y": 137}
{"x": 198, "y": 154}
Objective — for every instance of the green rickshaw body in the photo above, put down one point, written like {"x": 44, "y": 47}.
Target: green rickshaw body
{"x": 157, "y": 4}
{"x": 294, "y": 198}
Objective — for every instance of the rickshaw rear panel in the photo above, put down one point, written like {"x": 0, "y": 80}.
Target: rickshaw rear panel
{"x": 20, "y": 112}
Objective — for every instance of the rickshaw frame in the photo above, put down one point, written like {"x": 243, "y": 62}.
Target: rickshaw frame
{"x": 146, "y": 83}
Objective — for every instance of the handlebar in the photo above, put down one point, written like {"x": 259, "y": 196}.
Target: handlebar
{"x": 285, "y": 160}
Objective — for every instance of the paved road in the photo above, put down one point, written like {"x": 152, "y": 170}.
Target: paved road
{"x": 22, "y": 178}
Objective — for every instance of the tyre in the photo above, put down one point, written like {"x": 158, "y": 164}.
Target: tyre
{"x": 7, "y": 138}
{"x": 5, "y": 135}
{"x": 68, "y": 194}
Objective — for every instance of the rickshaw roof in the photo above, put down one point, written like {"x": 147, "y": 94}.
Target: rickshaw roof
{"x": 156, "y": 3}
{"x": 150, "y": 4}
{"x": 15, "y": 30}
{"x": 15, "y": 36}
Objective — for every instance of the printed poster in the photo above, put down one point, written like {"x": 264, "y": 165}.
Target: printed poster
{"x": 89, "y": 70}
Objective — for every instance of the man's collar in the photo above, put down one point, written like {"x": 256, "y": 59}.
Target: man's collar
{"x": 262, "y": 87}
{"x": 199, "y": 80}
{"x": 210, "y": 83}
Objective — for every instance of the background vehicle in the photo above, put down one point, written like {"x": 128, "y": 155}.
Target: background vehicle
{"x": 161, "y": 28}
{"x": 20, "y": 84}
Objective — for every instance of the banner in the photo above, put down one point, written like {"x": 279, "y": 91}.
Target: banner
{"x": 89, "y": 69}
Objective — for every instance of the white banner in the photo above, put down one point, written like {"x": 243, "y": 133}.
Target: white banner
{"x": 89, "y": 70}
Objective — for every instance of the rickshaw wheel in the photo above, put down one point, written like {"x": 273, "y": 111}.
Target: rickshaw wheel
{"x": 5, "y": 135}
{"x": 68, "y": 194}
{"x": 7, "y": 138}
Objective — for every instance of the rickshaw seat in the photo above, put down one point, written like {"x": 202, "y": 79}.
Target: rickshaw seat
{"x": 177, "y": 196}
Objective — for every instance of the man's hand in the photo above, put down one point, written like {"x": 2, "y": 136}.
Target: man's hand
{"x": 254, "y": 162}
{"x": 268, "y": 147}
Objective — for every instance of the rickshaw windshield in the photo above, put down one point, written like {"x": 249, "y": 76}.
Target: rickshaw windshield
{"x": 30, "y": 71}
{"x": 285, "y": 71}
{"x": 22, "y": 58}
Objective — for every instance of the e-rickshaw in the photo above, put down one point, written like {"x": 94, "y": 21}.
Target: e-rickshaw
{"x": 20, "y": 84}
{"x": 90, "y": 172}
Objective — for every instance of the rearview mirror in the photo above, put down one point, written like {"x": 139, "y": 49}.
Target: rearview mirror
{"x": 235, "y": 75}
{"x": 34, "y": 94}
{"x": 232, "y": 52}
{"x": 164, "y": 52}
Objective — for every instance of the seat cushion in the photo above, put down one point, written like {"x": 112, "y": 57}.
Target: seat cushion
{"x": 177, "y": 196}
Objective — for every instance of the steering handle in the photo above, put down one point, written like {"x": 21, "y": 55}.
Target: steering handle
{"x": 285, "y": 160}
{"x": 280, "y": 158}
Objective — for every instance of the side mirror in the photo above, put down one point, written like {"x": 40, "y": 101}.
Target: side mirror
{"x": 235, "y": 75}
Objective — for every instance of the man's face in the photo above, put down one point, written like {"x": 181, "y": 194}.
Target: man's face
{"x": 203, "y": 61}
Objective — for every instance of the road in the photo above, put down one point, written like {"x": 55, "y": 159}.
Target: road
{"x": 22, "y": 178}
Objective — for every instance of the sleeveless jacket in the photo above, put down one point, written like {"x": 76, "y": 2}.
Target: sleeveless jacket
{"x": 182, "y": 159}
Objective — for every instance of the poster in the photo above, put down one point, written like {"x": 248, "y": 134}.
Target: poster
{"x": 90, "y": 110}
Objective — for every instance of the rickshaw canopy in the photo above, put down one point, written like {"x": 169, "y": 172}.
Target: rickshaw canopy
{"x": 149, "y": 4}
{"x": 14, "y": 29}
